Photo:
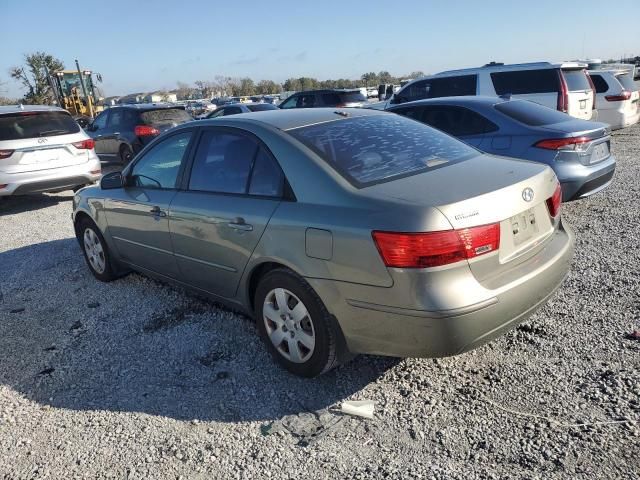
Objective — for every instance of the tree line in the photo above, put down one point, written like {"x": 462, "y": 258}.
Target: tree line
{"x": 32, "y": 75}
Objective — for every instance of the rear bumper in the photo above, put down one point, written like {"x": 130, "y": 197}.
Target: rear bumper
{"x": 580, "y": 181}
{"x": 53, "y": 180}
{"x": 379, "y": 329}
{"x": 617, "y": 118}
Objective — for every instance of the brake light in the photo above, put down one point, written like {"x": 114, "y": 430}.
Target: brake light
{"x": 434, "y": 249}
{"x": 554, "y": 201}
{"x": 87, "y": 144}
{"x": 562, "y": 143}
{"x": 593, "y": 88}
{"x": 6, "y": 153}
{"x": 563, "y": 94}
{"x": 625, "y": 95}
{"x": 145, "y": 131}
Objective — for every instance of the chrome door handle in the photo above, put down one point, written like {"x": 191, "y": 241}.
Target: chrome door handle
{"x": 157, "y": 212}
{"x": 239, "y": 224}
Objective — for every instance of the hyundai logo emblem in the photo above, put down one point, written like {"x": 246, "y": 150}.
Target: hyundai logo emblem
{"x": 527, "y": 194}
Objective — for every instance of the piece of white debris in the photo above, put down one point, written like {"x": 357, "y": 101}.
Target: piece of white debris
{"x": 359, "y": 408}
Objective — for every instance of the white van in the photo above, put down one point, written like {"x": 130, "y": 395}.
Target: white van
{"x": 562, "y": 86}
{"x": 616, "y": 97}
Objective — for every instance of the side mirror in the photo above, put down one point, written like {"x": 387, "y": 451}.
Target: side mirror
{"x": 111, "y": 181}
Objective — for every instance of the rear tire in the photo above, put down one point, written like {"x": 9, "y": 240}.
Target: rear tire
{"x": 126, "y": 154}
{"x": 295, "y": 325}
{"x": 95, "y": 250}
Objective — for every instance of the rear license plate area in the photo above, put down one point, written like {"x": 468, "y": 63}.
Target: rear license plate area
{"x": 40, "y": 156}
{"x": 600, "y": 152}
{"x": 524, "y": 226}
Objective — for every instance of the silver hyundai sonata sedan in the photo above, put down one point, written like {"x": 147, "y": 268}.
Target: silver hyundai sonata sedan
{"x": 340, "y": 231}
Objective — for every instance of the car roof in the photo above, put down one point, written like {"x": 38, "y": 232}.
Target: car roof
{"x": 614, "y": 71}
{"x": 148, "y": 106}
{"x": 29, "y": 108}
{"x": 296, "y": 117}
{"x": 328, "y": 90}
{"x": 513, "y": 66}
{"x": 467, "y": 100}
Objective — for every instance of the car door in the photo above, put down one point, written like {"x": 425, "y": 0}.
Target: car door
{"x": 97, "y": 130}
{"x": 217, "y": 219}
{"x": 112, "y": 132}
{"x": 137, "y": 214}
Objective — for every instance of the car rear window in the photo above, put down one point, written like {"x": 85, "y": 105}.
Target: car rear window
{"x": 20, "y": 125}
{"x": 531, "y": 113}
{"x": 599, "y": 82}
{"x": 261, "y": 107}
{"x": 165, "y": 115}
{"x": 627, "y": 82}
{"x": 576, "y": 80}
{"x": 374, "y": 149}
{"x": 519, "y": 82}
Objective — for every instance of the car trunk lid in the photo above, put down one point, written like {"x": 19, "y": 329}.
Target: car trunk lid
{"x": 514, "y": 195}
{"x": 43, "y": 153}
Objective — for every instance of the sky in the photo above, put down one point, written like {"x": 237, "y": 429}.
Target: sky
{"x": 145, "y": 46}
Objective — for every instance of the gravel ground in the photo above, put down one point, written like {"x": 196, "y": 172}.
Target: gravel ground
{"x": 135, "y": 379}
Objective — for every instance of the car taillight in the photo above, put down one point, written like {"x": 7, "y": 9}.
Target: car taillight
{"x": 562, "y": 143}
{"x": 434, "y": 249}
{"x": 563, "y": 94}
{"x": 625, "y": 95}
{"x": 554, "y": 201}
{"x": 6, "y": 153}
{"x": 593, "y": 89}
{"x": 87, "y": 144}
{"x": 145, "y": 131}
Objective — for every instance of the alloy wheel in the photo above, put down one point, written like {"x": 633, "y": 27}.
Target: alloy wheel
{"x": 93, "y": 249}
{"x": 289, "y": 325}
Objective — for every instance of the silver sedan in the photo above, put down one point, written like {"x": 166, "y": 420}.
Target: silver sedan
{"x": 340, "y": 231}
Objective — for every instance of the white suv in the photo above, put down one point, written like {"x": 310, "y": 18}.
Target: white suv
{"x": 43, "y": 149}
{"x": 562, "y": 86}
{"x": 616, "y": 97}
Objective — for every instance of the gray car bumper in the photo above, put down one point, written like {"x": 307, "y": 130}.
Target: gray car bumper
{"x": 579, "y": 181}
{"x": 377, "y": 329}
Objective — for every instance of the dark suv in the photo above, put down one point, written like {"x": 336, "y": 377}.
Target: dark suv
{"x": 325, "y": 98}
{"x": 121, "y": 132}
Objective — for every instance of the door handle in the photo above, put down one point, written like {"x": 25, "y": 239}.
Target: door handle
{"x": 157, "y": 212}
{"x": 238, "y": 223}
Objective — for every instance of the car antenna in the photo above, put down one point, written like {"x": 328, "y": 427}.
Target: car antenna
{"x": 343, "y": 114}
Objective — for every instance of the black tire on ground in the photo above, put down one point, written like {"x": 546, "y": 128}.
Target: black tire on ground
{"x": 126, "y": 154}
{"x": 108, "y": 273}
{"x": 325, "y": 352}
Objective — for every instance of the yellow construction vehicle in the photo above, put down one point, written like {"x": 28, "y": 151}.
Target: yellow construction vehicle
{"x": 75, "y": 92}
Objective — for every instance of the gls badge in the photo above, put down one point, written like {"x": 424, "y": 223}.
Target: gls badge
{"x": 527, "y": 194}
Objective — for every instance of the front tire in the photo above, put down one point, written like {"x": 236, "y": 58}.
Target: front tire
{"x": 295, "y": 325}
{"x": 95, "y": 250}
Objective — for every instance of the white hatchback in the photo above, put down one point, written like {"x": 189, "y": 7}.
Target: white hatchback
{"x": 616, "y": 97}
{"x": 43, "y": 149}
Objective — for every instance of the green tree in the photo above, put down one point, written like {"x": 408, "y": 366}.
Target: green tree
{"x": 416, "y": 74}
{"x": 33, "y": 76}
{"x": 385, "y": 77}
{"x": 266, "y": 87}
{"x": 291, "y": 85}
{"x": 369, "y": 78}
{"x": 247, "y": 86}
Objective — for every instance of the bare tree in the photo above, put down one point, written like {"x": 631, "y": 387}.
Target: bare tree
{"x": 33, "y": 76}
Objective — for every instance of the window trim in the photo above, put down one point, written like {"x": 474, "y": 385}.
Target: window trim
{"x": 128, "y": 171}
{"x": 287, "y": 191}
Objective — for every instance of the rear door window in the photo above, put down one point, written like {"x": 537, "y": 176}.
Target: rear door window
{"x": 378, "y": 148}
{"x": 457, "y": 121}
{"x": 222, "y": 162}
{"x": 266, "y": 177}
{"x": 20, "y": 125}
{"x": 165, "y": 115}
{"x": 116, "y": 117}
{"x": 520, "y": 82}
{"x": 600, "y": 83}
{"x": 576, "y": 80}
{"x": 306, "y": 101}
{"x": 351, "y": 97}
{"x": 438, "y": 87}
{"x": 531, "y": 113}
